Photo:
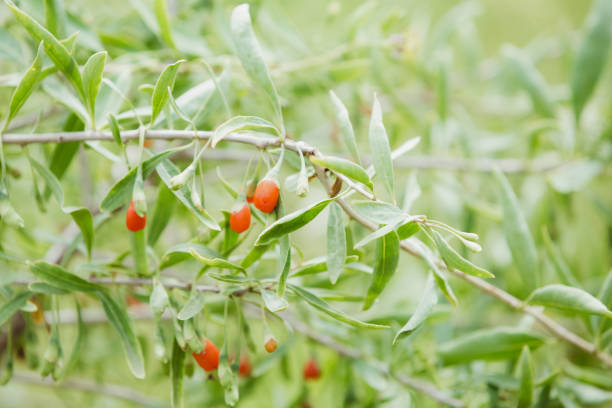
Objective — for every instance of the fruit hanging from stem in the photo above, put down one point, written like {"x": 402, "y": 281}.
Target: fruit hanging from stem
{"x": 208, "y": 358}
{"x": 133, "y": 221}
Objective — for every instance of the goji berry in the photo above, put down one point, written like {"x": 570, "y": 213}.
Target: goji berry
{"x": 271, "y": 344}
{"x": 240, "y": 220}
{"x": 208, "y": 358}
{"x": 133, "y": 221}
{"x": 312, "y": 370}
{"x": 245, "y": 366}
{"x": 266, "y": 195}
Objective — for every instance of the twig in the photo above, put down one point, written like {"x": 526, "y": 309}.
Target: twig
{"x": 115, "y": 391}
{"x": 414, "y": 162}
{"x": 422, "y": 386}
{"x": 552, "y": 326}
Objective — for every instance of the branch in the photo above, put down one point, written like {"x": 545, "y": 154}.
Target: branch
{"x": 416, "y": 162}
{"x": 115, "y": 391}
{"x": 552, "y": 326}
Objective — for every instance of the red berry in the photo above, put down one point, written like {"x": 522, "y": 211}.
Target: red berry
{"x": 245, "y": 366}
{"x": 271, "y": 344}
{"x": 312, "y": 370}
{"x": 208, "y": 358}
{"x": 266, "y": 196}
{"x": 240, "y": 220}
{"x": 133, "y": 221}
{"x": 250, "y": 199}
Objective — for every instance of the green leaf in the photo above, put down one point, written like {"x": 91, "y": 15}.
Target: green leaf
{"x": 422, "y": 312}
{"x": 564, "y": 273}
{"x": 591, "y": 375}
{"x": 58, "y": 53}
{"x": 575, "y": 176}
{"x": 346, "y": 128}
{"x": 42, "y": 287}
{"x": 177, "y": 368}
{"x": 273, "y": 302}
{"x": 592, "y": 55}
{"x": 291, "y": 222}
{"x": 162, "y": 213}
{"x": 336, "y": 242}
{"x": 256, "y": 252}
{"x": 228, "y": 380}
{"x": 119, "y": 319}
{"x": 531, "y": 80}
{"x": 249, "y": 52}
{"x": 166, "y": 171}
{"x": 381, "y": 151}
{"x": 193, "y": 306}
{"x": 63, "y": 95}
{"x": 241, "y": 124}
{"x": 345, "y": 167}
{"x": 216, "y": 262}
{"x": 453, "y": 260}
{"x": 76, "y": 348}
{"x": 518, "y": 236}
{"x": 92, "y": 78}
{"x": 387, "y": 257}
{"x": 499, "y": 343}
{"x": 58, "y": 277}
{"x": 384, "y": 230}
{"x": 318, "y": 265}
{"x": 55, "y": 17}
{"x": 163, "y": 20}
{"x": 181, "y": 253}
{"x": 160, "y": 92}
{"x": 8, "y": 215}
{"x": 324, "y": 307}
{"x": 568, "y": 298}
{"x": 25, "y": 87}
{"x": 13, "y": 305}
{"x": 158, "y": 299}
{"x": 81, "y": 215}
{"x": 121, "y": 192}
{"x": 525, "y": 374}
{"x": 379, "y": 211}
{"x": 284, "y": 263}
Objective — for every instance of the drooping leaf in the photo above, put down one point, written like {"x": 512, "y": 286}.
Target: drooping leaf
{"x": 162, "y": 213}
{"x": 160, "y": 91}
{"x": 241, "y": 124}
{"x": 58, "y": 277}
{"x": 119, "y": 319}
{"x": 177, "y": 368}
{"x": 92, "y": 78}
{"x": 345, "y": 167}
{"x": 518, "y": 236}
{"x": 11, "y": 307}
{"x": 273, "y": 302}
{"x": 193, "y": 306}
{"x": 291, "y": 222}
{"x": 488, "y": 344}
{"x": 568, "y": 298}
{"x": 456, "y": 261}
{"x": 422, "y": 312}
{"x": 381, "y": 151}
{"x": 249, "y": 52}
{"x": 336, "y": 242}
{"x": 324, "y": 307}
{"x": 283, "y": 263}
{"x": 344, "y": 123}
{"x": 592, "y": 55}
{"x": 158, "y": 299}
{"x": 387, "y": 257}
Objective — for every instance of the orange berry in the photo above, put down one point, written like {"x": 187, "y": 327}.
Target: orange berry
{"x": 133, "y": 221}
{"x": 208, "y": 358}
{"x": 266, "y": 195}
{"x": 240, "y": 220}
{"x": 148, "y": 143}
{"x": 312, "y": 370}
{"x": 271, "y": 344}
{"x": 245, "y": 366}
{"x": 250, "y": 199}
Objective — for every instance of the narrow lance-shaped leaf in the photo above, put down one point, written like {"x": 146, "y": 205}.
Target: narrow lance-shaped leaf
{"x": 345, "y": 167}
{"x": 55, "y": 17}
{"x": 568, "y": 298}
{"x": 453, "y": 260}
{"x": 162, "y": 213}
{"x": 381, "y": 151}
{"x": 25, "y": 87}
{"x": 518, "y": 236}
{"x": 488, "y": 344}
{"x": 284, "y": 263}
{"x": 346, "y": 128}
{"x": 92, "y": 78}
{"x": 273, "y": 302}
{"x": 8, "y": 215}
{"x": 379, "y": 211}
{"x": 423, "y": 310}
{"x": 324, "y": 307}
{"x": 58, "y": 53}
{"x": 291, "y": 222}
{"x": 193, "y": 306}
{"x": 336, "y": 242}
{"x": 242, "y": 123}
{"x": 217, "y": 262}
{"x": 526, "y": 380}
{"x": 160, "y": 92}
{"x": 177, "y": 368}
{"x": 119, "y": 319}
{"x": 592, "y": 54}
{"x": 60, "y": 278}
{"x": 387, "y": 257}
{"x": 249, "y": 52}
{"x": 163, "y": 20}
{"x": 11, "y": 307}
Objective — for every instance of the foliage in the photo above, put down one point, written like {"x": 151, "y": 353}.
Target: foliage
{"x": 441, "y": 237}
